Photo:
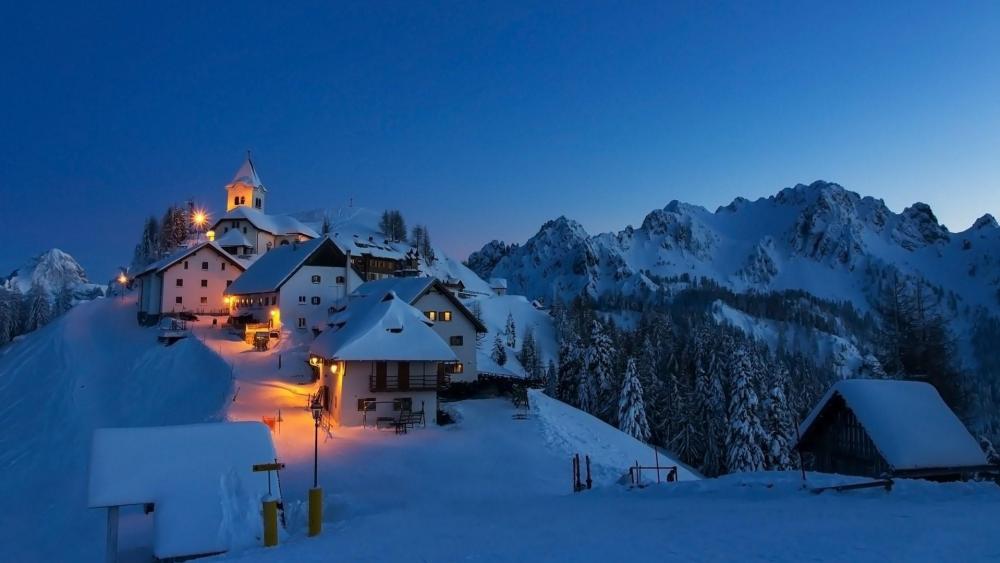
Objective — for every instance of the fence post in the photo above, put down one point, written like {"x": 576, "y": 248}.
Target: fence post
{"x": 588, "y": 472}
{"x": 656, "y": 455}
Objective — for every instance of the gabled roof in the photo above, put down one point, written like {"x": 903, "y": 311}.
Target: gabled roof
{"x": 269, "y": 272}
{"x": 384, "y": 328}
{"x": 168, "y": 261}
{"x": 247, "y": 174}
{"x": 233, "y": 237}
{"x": 908, "y": 422}
{"x": 412, "y": 289}
{"x": 274, "y": 224}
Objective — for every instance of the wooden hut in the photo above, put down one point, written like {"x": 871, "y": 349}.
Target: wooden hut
{"x": 876, "y": 427}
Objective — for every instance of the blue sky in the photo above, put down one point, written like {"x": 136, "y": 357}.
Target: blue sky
{"x": 485, "y": 120}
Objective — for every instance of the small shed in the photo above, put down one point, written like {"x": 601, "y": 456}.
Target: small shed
{"x": 198, "y": 478}
{"x": 878, "y": 427}
{"x": 499, "y": 285}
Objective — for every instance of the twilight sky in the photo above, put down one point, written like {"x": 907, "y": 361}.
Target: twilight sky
{"x": 484, "y": 121}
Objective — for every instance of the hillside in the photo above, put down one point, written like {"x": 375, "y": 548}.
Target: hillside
{"x": 93, "y": 367}
{"x": 53, "y": 271}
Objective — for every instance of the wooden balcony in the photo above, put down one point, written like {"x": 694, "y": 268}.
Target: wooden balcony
{"x": 408, "y": 382}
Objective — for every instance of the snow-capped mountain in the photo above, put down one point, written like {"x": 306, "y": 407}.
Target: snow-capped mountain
{"x": 820, "y": 238}
{"x": 53, "y": 270}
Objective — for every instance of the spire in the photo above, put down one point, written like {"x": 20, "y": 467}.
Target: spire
{"x": 247, "y": 174}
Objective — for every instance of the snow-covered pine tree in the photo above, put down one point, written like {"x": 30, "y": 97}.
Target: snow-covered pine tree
{"x": 778, "y": 421}
{"x": 631, "y": 406}
{"x": 499, "y": 353}
{"x": 745, "y": 434}
{"x": 148, "y": 249}
{"x": 551, "y": 380}
{"x": 570, "y": 368}
{"x": 528, "y": 355}
{"x": 37, "y": 309}
{"x": 510, "y": 332}
{"x": 600, "y": 362}
{"x": 9, "y": 316}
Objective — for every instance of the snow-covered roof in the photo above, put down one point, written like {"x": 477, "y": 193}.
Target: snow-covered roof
{"x": 498, "y": 283}
{"x": 198, "y": 476}
{"x": 411, "y": 289}
{"x": 382, "y": 327}
{"x": 908, "y": 422}
{"x": 247, "y": 174}
{"x": 233, "y": 237}
{"x": 274, "y": 224}
{"x": 269, "y": 272}
{"x": 178, "y": 255}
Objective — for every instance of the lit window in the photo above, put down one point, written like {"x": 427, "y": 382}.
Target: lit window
{"x": 445, "y": 316}
{"x": 457, "y": 367}
{"x": 315, "y": 279}
{"x": 432, "y": 315}
{"x": 456, "y": 340}
{"x": 315, "y": 300}
{"x": 180, "y": 282}
{"x": 204, "y": 283}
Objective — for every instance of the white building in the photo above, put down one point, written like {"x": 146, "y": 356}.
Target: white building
{"x": 294, "y": 286}
{"x": 246, "y": 229}
{"x": 190, "y": 280}
{"x": 380, "y": 358}
{"x": 499, "y": 285}
{"x": 453, "y": 322}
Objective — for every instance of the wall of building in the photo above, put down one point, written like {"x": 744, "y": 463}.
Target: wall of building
{"x": 354, "y": 385}
{"x": 327, "y": 291}
{"x": 150, "y": 294}
{"x": 248, "y": 193}
{"x": 459, "y": 325}
{"x": 194, "y": 297}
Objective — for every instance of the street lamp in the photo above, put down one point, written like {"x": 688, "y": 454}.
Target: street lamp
{"x": 199, "y": 219}
{"x": 315, "y": 493}
{"x": 122, "y": 280}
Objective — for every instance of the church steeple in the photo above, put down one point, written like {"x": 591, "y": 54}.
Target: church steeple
{"x": 246, "y": 189}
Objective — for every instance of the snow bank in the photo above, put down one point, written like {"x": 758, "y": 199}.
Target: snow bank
{"x": 611, "y": 451}
{"x": 199, "y": 477}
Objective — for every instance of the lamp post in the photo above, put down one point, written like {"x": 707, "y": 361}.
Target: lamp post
{"x": 122, "y": 280}
{"x": 316, "y": 493}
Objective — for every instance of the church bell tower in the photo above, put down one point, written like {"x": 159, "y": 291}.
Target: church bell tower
{"x": 246, "y": 189}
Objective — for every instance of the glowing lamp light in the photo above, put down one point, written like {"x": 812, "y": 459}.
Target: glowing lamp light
{"x": 199, "y": 218}
{"x": 314, "y": 361}
{"x": 334, "y": 368}
{"x": 211, "y": 235}
{"x": 122, "y": 279}
{"x": 274, "y": 312}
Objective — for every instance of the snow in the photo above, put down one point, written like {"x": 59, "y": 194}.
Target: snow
{"x": 52, "y": 270}
{"x": 233, "y": 237}
{"x": 409, "y": 290}
{"x": 494, "y": 310}
{"x": 247, "y": 174}
{"x": 274, "y": 267}
{"x": 199, "y": 476}
{"x": 92, "y": 367}
{"x": 908, "y": 421}
{"x": 180, "y": 254}
{"x": 382, "y": 327}
{"x": 274, "y": 224}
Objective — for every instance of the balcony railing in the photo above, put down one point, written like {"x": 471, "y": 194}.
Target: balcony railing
{"x": 415, "y": 382}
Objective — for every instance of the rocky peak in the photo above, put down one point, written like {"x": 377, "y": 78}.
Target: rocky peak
{"x": 52, "y": 270}
{"x": 985, "y": 222}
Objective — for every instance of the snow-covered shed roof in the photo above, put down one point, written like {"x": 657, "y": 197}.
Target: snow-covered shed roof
{"x": 198, "y": 476}
{"x": 233, "y": 237}
{"x": 269, "y": 272}
{"x": 274, "y": 224}
{"x": 178, "y": 255}
{"x": 498, "y": 283}
{"x": 412, "y": 289}
{"x": 247, "y": 174}
{"x": 908, "y": 422}
{"x": 382, "y": 327}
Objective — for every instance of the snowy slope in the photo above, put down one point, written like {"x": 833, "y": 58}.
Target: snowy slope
{"x": 91, "y": 368}
{"x": 821, "y": 238}
{"x": 494, "y": 310}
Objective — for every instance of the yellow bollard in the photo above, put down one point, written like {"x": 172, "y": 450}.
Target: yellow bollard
{"x": 270, "y": 523}
{"x": 315, "y": 511}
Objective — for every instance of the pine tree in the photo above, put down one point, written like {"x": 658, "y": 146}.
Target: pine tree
{"x": 64, "y": 300}
{"x": 9, "y": 316}
{"x": 570, "y": 368}
{"x": 326, "y": 227}
{"x": 745, "y": 435}
{"x": 551, "y": 380}
{"x": 528, "y": 355}
{"x": 600, "y": 365}
{"x": 148, "y": 249}
{"x": 778, "y": 422}
{"x": 631, "y": 406}
{"x": 499, "y": 353}
{"x": 393, "y": 225}
{"x": 510, "y": 332}
{"x": 38, "y": 308}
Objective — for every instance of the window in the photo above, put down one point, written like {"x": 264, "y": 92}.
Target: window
{"x": 366, "y": 404}
{"x": 315, "y": 300}
{"x": 244, "y": 230}
{"x": 223, "y": 266}
{"x": 229, "y": 283}
{"x": 204, "y": 283}
{"x": 236, "y": 200}
{"x": 456, "y": 367}
{"x": 256, "y": 203}
{"x": 274, "y": 300}
{"x": 445, "y": 316}
{"x": 180, "y": 282}
{"x": 302, "y": 322}
{"x": 340, "y": 279}
{"x": 236, "y": 224}
{"x": 403, "y": 403}
{"x": 178, "y": 299}
{"x": 302, "y": 299}
{"x": 204, "y": 300}
{"x": 315, "y": 279}
{"x": 185, "y": 264}
{"x": 432, "y": 315}
{"x": 456, "y": 340}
